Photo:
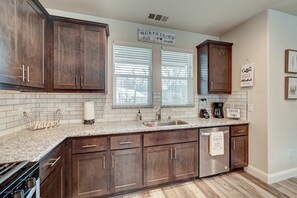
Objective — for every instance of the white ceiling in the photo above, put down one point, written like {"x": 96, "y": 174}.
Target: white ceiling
{"x": 212, "y": 17}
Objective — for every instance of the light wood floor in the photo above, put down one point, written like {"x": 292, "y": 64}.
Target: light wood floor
{"x": 230, "y": 185}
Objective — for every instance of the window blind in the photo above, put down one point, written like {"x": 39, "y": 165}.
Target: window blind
{"x": 132, "y": 82}
{"x": 177, "y": 78}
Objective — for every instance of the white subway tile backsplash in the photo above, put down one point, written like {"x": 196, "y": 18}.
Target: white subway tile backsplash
{"x": 43, "y": 105}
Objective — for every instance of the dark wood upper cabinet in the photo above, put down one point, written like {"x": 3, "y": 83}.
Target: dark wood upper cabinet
{"x": 79, "y": 56}
{"x": 239, "y": 146}
{"x": 66, "y": 55}
{"x": 22, "y": 43}
{"x": 8, "y": 66}
{"x": 214, "y": 67}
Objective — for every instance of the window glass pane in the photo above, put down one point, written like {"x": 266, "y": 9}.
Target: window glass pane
{"x": 132, "y": 84}
{"x": 177, "y": 78}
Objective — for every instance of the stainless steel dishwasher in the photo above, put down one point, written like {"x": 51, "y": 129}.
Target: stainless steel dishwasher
{"x": 208, "y": 164}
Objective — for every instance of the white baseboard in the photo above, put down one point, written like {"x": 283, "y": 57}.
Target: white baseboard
{"x": 257, "y": 173}
{"x": 271, "y": 178}
{"x": 282, "y": 175}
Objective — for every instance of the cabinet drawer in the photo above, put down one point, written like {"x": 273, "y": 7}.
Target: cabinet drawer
{"x": 123, "y": 142}
{"x": 239, "y": 130}
{"x": 170, "y": 137}
{"x": 49, "y": 162}
{"x": 88, "y": 145}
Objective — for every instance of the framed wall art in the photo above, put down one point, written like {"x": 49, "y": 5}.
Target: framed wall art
{"x": 291, "y": 61}
{"x": 291, "y": 88}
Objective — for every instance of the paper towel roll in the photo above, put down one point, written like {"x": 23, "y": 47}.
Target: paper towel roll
{"x": 89, "y": 112}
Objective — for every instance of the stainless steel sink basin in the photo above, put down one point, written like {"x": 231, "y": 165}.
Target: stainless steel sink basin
{"x": 156, "y": 123}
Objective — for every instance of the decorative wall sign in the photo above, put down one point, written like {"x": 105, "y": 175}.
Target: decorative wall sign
{"x": 290, "y": 87}
{"x": 247, "y": 75}
{"x": 291, "y": 61}
{"x": 153, "y": 36}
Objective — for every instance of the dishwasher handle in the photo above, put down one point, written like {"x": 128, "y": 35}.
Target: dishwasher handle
{"x": 208, "y": 133}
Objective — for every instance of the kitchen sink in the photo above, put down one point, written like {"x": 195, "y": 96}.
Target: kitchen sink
{"x": 156, "y": 123}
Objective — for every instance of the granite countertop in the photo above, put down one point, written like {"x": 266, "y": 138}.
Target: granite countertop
{"x": 33, "y": 145}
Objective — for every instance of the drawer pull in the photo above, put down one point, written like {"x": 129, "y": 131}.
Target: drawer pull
{"x": 104, "y": 161}
{"x": 241, "y": 131}
{"x": 53, "y": 163}
{"x": 124, "y": 143}
{"x": 89, "y": 146}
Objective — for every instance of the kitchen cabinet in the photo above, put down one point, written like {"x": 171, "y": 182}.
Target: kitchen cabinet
{"x": 239, "y": 146}
{"x": 22, "y": 43}
{"x": 126, "y": 162}
{"x": 79, "y": 56}
{"x": 214, "y": 67}
{"x": 165, "y": 163}
{"x": 89, "y": 174}
{"x": 52, "y": 176}
{"x": 89, "y": 167}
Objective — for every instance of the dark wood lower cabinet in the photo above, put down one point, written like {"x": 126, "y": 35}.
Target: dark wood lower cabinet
{"x": 239, "y": 151}
{"x": 89, "y": 174}
{"x": 157, "y": 165}
{"x": 53, "y": 185}
{"x": 168, "y": 163}
{"x": 126, "y": 169}
{"x": 185, "y": 163}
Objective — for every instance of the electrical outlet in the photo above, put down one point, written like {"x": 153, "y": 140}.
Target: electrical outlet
{"x": 250, "y": 107}
{"x": 290, "y": 153}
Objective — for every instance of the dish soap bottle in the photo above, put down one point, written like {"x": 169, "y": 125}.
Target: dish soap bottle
{"x": 139, "y": 116}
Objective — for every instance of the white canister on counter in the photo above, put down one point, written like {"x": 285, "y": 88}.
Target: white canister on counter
{"x": 89, "y": 113}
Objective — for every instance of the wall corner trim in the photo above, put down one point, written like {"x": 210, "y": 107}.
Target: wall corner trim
{"x": 257, "y": 173}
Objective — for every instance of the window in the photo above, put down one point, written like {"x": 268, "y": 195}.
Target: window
{"x": 132, "y": 84}
{"x": 177, "y": 78}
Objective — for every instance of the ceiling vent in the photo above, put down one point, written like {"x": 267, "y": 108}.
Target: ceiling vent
{"x": 157, "y": 17}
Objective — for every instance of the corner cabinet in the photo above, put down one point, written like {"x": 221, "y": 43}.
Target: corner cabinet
{"x": 22, "y": 29}
{"x": 214, "y": 67}
{"x": 80, "y": 55}
{"x": 239, "y": 146}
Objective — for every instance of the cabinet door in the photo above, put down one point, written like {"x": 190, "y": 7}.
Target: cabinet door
{"x": 239, "y": 151}
{"x": 219, "y": 68}
{"x": 157, "y": 165}
{"x": 89, "y": 174}
{"x": 30, "y": 43}
{"x": 126, "y": 169}
{"x": 66, "y": 56}
{"x": 53, "y": 186}
{"x": 185, "y": 163}
{"x": 92, "y": 71}
{"x": 8, "y": 67}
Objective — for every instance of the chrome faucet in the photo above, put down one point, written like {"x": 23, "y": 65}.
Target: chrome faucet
{"x": 158, "y": 114}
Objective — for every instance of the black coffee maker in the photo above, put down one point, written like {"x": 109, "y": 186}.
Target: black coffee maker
{"x": 218, "y": 111}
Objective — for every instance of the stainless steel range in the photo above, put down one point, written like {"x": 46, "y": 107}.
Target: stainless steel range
{"x": 19, "y": 180}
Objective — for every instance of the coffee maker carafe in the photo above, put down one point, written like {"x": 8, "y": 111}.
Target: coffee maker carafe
{"x": 218, "y": 111}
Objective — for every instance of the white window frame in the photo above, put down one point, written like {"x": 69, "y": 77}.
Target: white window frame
{"x": 189, "y": 78}
{"x": 149, "y": 77}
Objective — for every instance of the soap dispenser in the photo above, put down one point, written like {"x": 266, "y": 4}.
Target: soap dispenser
{"x": 139, "y": 116}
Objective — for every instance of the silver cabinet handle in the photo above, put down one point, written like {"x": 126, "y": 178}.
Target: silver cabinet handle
{"x": 211, "y": 84}
{"x": 104, "y": 161}
{"x": 233, "y": 144}
{"x": 23, "y": 71}
{"x": 53, "y": 163}
{"x": 123, "y": 143}
{"x": 28, "y": 74}
{"x": 112, "y": 160}
{"x": 89, "y": 146}
{"x": 171, "y": 153}
{"x": 175, "y": 153}
{"x": 241, "y": 131}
